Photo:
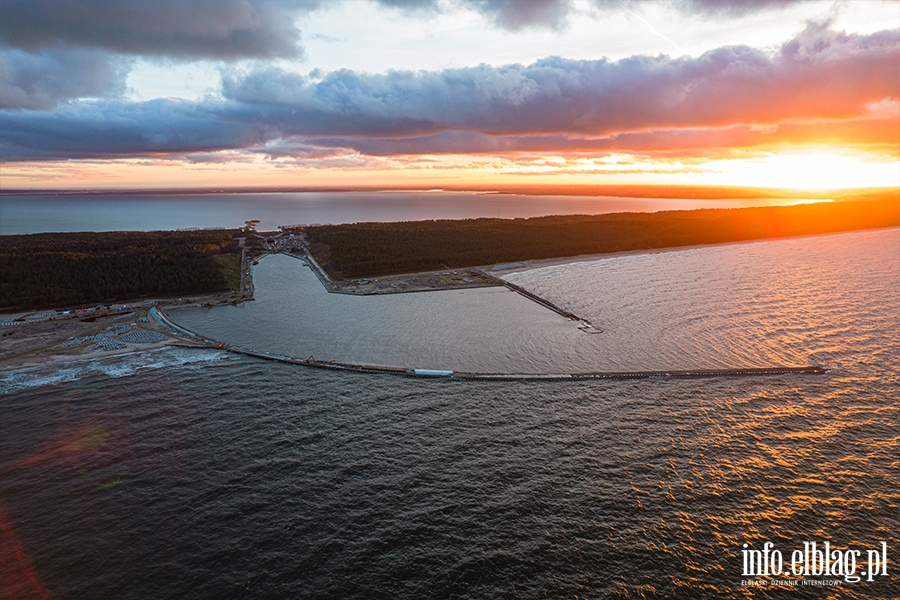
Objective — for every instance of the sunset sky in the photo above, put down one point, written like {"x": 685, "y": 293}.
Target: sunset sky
{"x": 130, "y": 93}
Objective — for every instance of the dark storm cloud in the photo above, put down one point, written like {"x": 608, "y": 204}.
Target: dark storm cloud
{"x": 43, "y": 79}
{"x": 213, "y": 29}
{"x": 237, "y": 29}
{"x": 190, "y": 29}
{"x": 121, "y": 129}
{"x": 52, "y": 51}
{"x": 819, "y": 75}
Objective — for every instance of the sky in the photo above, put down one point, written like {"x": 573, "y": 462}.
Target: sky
{"x": 431, "y": 93}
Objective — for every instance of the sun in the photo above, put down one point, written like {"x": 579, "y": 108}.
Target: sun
{"x": 815, "y": 170}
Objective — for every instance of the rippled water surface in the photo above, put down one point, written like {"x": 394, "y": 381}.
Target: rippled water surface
{"x": 830, "y": 300}
{"x": 790, "y": 302}
{"x": 111, "y": 212}
{"x": 202, "y": 474}
{"x": 483, "y": 329}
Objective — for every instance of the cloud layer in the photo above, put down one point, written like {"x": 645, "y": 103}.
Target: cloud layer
{"x": 39, "y": 80}
{"x": 734, "y": 94}
{"x": 234, "y": 29}
{"x": 218, "y": 29}
{"x": 821, "y": 74}
{"x": 55, "y": 51}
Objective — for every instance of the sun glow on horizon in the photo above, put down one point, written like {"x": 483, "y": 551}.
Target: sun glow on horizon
{"x": 819, "y": 169}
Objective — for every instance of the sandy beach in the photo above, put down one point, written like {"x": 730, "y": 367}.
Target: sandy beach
{"x": 499, "y": 270}
{"x": 67, "y": 338}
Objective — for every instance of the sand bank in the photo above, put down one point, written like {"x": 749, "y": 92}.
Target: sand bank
{"x": 67, "y": 338}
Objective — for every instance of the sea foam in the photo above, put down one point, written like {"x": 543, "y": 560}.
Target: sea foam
{"x": 122, "y": 365}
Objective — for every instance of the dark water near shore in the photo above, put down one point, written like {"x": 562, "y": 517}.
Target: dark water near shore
{"x": 201, "y": 474}
{"x": 41, "y": 213}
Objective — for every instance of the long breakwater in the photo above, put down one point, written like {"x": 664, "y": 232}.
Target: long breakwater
{"x": 161, "y": 317}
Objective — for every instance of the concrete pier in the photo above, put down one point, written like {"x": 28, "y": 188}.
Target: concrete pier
{"x": 160, "y": 315}
{"x": 533, "y": 297}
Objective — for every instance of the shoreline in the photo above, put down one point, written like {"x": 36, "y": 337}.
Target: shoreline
{"x": 43, "y": 345}
{"x": 402, "y": 283}
{"x": 40, "y": 341}
{"x": 537, "y": 263}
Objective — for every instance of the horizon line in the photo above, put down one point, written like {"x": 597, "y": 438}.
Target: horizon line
{"x": 700, "y": 192}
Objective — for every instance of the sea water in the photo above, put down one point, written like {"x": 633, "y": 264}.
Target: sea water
{"x": 199, "y": 473}
{"x": 35, "y": 213}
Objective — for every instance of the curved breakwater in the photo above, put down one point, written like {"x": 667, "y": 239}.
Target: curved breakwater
{"x": 445, "y": 374}
{"x": 653, "y": 327}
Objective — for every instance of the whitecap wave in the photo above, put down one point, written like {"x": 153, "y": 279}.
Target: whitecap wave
{"x": 122, "y": 365}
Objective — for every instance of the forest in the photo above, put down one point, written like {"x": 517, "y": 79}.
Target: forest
{"x": 371, "y": 249}
{"x": 69, "y": 269}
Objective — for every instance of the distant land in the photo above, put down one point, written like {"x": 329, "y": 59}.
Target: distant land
{"x": 624, "y": 191}
{"x": 370, "y": 249}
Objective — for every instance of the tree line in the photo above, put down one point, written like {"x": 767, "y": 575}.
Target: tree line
{"x": 370, "y": 249}
{"x": 69, "y": 269}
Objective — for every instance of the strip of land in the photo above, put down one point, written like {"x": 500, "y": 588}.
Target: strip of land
{"x": 370, "y": 250}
